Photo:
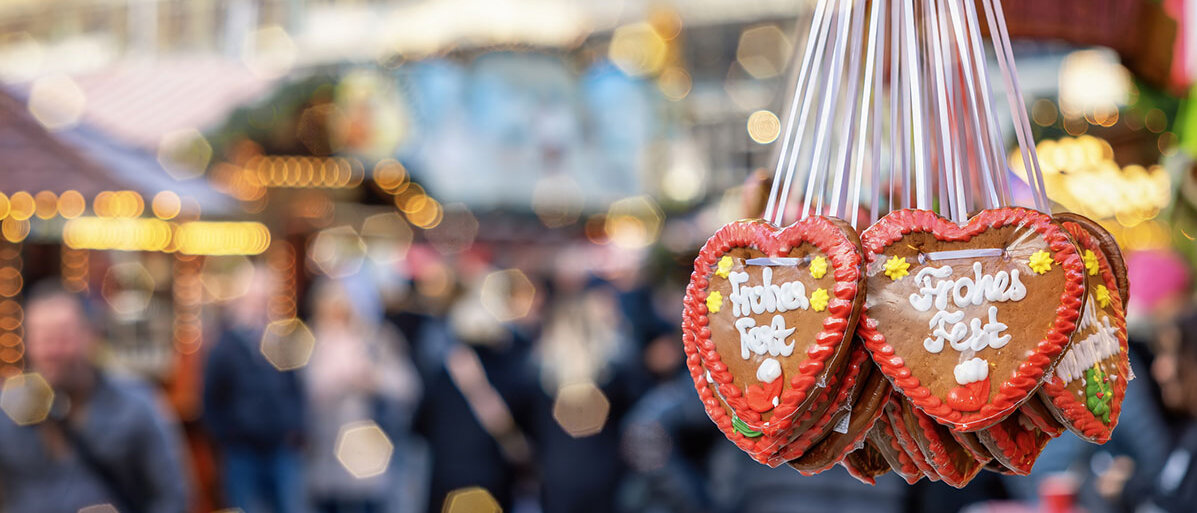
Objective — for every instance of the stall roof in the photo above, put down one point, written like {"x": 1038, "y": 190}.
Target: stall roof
{"x": 31, "y": 159}
{"x": 85, "y": 160}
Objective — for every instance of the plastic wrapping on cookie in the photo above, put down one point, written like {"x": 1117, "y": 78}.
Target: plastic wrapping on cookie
{"x": 1098, "y": 360}
{"x": 784, "y": 397}
{"x": 972, "y": 300}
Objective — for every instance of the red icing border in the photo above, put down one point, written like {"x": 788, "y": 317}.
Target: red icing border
{"x": 906, "y": 440}
{"x": 1017, "y": 388}
{"x": 1018, "y": 453}
{"x": 817, "y": 431}
{"x": 887, "y": 443}
{"x": 1072, "y": 412}
{"x": 701, "y": 356}
{"x": 938, "y": 454}
{"x": 857, "y": 438}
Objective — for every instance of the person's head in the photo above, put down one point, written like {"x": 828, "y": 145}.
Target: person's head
{"x": 253, "y": 308}
{"x": 59, "y": 336}
{"x": 1175, "y": 365}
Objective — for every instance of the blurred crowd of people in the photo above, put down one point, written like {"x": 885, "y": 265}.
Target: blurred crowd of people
{"x": 562, "y": 390}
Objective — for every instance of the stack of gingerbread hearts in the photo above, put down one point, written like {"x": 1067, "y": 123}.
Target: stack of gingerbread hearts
{"x": 936, "y": 344}
{"x": 996, "y": 335}
{"x": 768, "y": 323}
{"x": 931, "y": 349}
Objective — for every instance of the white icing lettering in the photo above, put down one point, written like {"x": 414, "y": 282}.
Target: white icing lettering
{"x": 937, "y": 287}
{"x": 768, "y": 339}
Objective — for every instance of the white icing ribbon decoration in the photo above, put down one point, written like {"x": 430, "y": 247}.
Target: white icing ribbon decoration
{"x": 1096, "y": 347}
{"x": 971, "y": 371}
{"x": 777, "y": 261}
{"x": 963, "y": 253}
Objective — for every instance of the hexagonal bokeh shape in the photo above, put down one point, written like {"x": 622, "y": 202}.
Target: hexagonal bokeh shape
{"x": 581, "y": 409}
{"x": 634, "y": 222}
{"x": 474, "y": 499}
{"x": 99, "y": 508}
{"x": 287, "y": 344}
{"x": 387, "y": 237}
{"x": 26, "y": 398}
{"x": 337, "y": 251}
{"x": 763, "y": 51}
{"x": 127, "y": 288}
{"x": 508, "y": 294}
{"x": 363, "y": 449}
{"x": 227, "y": 277}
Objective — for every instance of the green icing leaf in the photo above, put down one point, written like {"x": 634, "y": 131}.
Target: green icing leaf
{"x": 743, "y": 428}
{"x": 1098, "y": 393}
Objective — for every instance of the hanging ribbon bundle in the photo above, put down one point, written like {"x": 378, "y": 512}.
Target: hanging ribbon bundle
{"x": 958, "y": 331}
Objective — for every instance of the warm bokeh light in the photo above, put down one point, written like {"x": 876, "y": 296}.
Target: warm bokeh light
{"x": 581, "y": 409}
{"x": 287, "y": 344}
{"x": 57, "y": 102}
{"x": 11, "y": 281}
{"x": 45, "y": 204}
{"x": 21, "y": 205}
{"x": 166, "y": 205}
{"x": 226, "y": 277}
{"x": 100, "y": 508}
{"x": 13, "y": 229}
{"x": 363, "y": 449}
{"x": 763, "y": 51}
{"x": 470, "y": 500}
{"x": 269, "y": 51}
{"x": 26, "y": 398}
{"x": 222, "y": 238}
{"x": 124, "y": 234}
{"x": 634, "y": 222}
{"x": 390, "y": 175}
{"x": 387, "y": 237}
{"x": 184, "y": 154}
{"x": 127, "y": 288}
{"x": 337, "y": 251}
{"x": 763, "y": 127}
{"x": 508, "y": 294}
{"x": 637, "y": 49}
{"x": 71, "y": 204}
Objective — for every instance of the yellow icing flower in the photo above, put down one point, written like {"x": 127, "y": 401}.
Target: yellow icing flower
{"x": 714, "y": 301}
{"x": 725, "y": 265}
{"x": 1040, "y": 262}
{"x": 1090, "y": 262}
{"x": 818, "y": 267}
{"x": 1103, "y": 296}
{"x": 896, "y": 268}
{"x": 818, "y": 300}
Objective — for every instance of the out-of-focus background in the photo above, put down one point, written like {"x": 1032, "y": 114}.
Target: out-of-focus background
{"x": 392, "y": 256}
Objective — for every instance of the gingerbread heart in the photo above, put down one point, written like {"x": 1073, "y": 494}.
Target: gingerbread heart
{"x": 1015, "y": 443}
{"x": 885, "y": 441}
{"x": 1086, "y": 389}
{"x": 764, "y": 305}
{"x": 865, "y": 464}
{"x": 867, "y": 405}
{"x": 954, "y": 463}
{"x": 966, "y": 320}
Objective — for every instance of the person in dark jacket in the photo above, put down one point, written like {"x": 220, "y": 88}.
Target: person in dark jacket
{"x": 106, "y": 440}
{"x": 254, "y": 411}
